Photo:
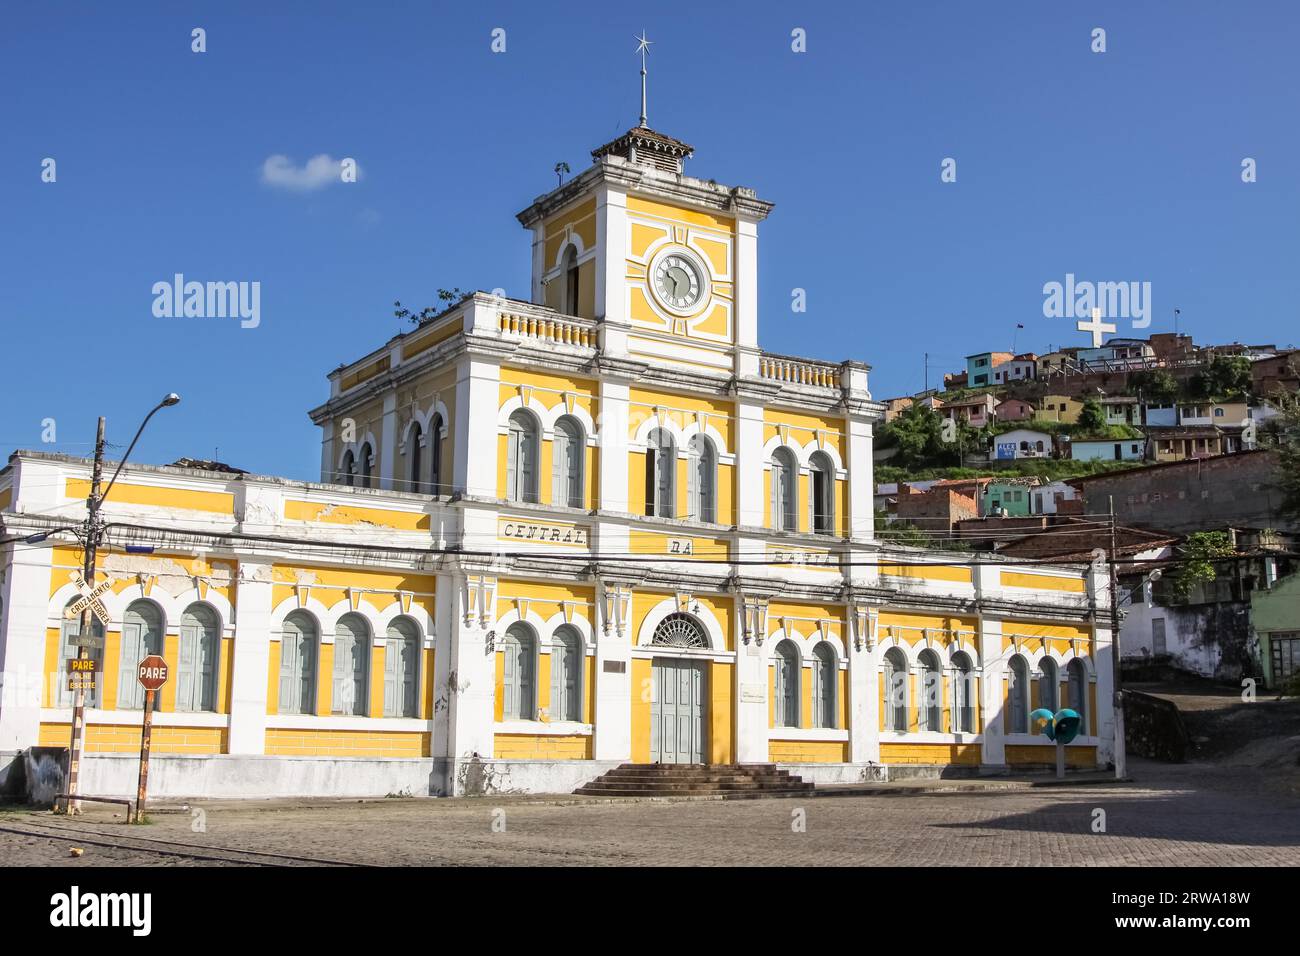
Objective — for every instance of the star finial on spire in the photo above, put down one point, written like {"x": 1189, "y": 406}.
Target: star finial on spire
{"x": 643, "y": 47}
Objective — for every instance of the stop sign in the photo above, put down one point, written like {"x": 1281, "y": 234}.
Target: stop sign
{"x": 153, "y": 672}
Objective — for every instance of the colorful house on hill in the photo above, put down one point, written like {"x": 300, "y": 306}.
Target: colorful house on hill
{"x": 551, "y": 536}
{"x": 1013, "y": 410}
{"x": 1056, "y": 407}
{"x": 979, "y": 367}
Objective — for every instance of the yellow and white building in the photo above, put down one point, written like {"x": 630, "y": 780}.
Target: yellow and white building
{"x": 602, "y": 526}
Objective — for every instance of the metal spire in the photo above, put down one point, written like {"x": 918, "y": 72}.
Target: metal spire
{"x": 643, "y": 48}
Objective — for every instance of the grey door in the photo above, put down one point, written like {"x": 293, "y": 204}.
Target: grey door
{"x": 677, "y": 712}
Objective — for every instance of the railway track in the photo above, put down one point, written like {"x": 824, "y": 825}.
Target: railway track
{"x": 115, "y": 839}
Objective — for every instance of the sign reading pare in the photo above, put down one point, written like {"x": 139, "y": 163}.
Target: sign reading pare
{"x": 533, "y": 532}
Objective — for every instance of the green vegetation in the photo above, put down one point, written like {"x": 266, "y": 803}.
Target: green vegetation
{"x": 1283, "y": 434}
{"x": 917, "y": 433}
{"x": 907, "y": 534}
{"x": 446, "y": 298}
{"x": 1092, "y": 418}
{"x": 1155, "y": 385}
{"x": 1198, "y": 553}
{"x": 1223, "y": 377}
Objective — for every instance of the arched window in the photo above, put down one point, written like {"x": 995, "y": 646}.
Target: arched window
{"x": 930, "y": 713}
{"x": 1078, "y": 676}
{"x": 566, "y": 674}
{"x": 660, "y": 474}
{"x": 785, "y": 471}
{"x": 787, "y": 685}
{"x": 142, "y": 635}
{"x": 351, "y": 666}
{"x": 349, "y": 468}
{"x": 519, "y": 666}
{"x": 69, "y": 651}
{"x": 1018, "y": 696}
{"x": 569, "y": 266}
{"x": 567, "y": 449}
{"x": 824, "y": 685}
{"x": 365, "y": 465}
{"x": 702, "y": 479}
{"x": 895, "y": 691}
{"x": 821, "y": 493}
{"x": 298, "y": 645}
{"x": 963, "y": 694}
{"x": 521, "y": 458}
{"x": 1049, "y": 685}
{"x": 200, "y": 652}
{"x": 402, "y": 668}
{"x": 414, "y": 469}
{"x": 680, "y": 630}
{"x": 435, "y": 457}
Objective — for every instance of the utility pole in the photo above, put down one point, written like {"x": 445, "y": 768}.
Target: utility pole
{"x": 87, "y": 617}
{"x": 1118, "y": 705}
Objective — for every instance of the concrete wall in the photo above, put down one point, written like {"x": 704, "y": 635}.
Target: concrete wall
{"x": 1212, "y": 640}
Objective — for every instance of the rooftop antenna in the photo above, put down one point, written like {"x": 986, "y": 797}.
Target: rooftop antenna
{"x": 643, "y": 48}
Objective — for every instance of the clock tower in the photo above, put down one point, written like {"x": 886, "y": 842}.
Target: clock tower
{"x": 666, "y": 262}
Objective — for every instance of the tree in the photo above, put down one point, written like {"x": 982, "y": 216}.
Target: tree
{"x": 1198, "y": 554}
{"x": 1091, "y": 418}
{"x": 1224, "y": 376}
{"x": 446, "y": 297}
{"x": 1155, "y": 385}
{"x": 1283, "y": 433}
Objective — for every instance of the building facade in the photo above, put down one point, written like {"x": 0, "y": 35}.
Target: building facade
{"x": 552, "y": 536}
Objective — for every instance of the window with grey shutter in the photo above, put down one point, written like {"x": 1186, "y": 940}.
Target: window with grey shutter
{"x": 142, "y": 635}
{"x": 351, "y": 666}
{"x": 298, "y": 647}
{"x": 1049, "y": 685}
{"x": 895, "y": 691}
{"x": 821, "y": 494}
{"x": 401, "y": 669}
{"x": 519, "y": 652}
{"x": 693, "y": 505}
{"x": 930, "y": 713}
{"x": 787, "y": 685}
{"x": 413, "y": 454}
{"x": 1078, "y": 676}
{"x": 785, "y": 472}
{"x": 566, "y": 663}
{"x": 435, "y": 486}
{"x": 566, "y": 464}
{"x": 963, "y": 694}
{"x": 1018, "y": 691}
{"x": 196, "y": 671}
{"x": 824, "y": 672}
{"x": 665, "y": 474}
{"x": 521, "y": 458}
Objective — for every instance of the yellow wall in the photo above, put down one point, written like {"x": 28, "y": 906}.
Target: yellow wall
{"x": 807, "y": 751}
{"x": 285, "y": 741}
{"x": 125, "y": 492}
{"x": 1022, "y": 755}
{"x": 642, "y": 694}
{"x": 542, "y": 747}
{"x": 960, "y": 754}
{"x": 125, "y": 739}
{"x": 721, "y": 725}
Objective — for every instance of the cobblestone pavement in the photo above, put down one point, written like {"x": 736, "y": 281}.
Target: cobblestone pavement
{"x": 1181, "y": 816}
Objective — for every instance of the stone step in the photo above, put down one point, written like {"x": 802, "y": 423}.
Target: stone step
{"x": 700, "y": 785}
{"x": 721, "y": 794}
{"x": 693, "y": 780}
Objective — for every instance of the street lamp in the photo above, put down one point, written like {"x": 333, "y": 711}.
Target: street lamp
{"x": 93, "y": 530}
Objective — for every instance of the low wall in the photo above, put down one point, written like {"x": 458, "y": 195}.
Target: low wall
{"x": 823, "y": 774}
{"x": 1153, "y": 728}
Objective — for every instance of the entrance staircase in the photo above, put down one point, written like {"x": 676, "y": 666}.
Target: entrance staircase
{"x": 734, "y": 781}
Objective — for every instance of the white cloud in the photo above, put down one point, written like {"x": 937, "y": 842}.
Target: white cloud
{"x": 320, "y": 171}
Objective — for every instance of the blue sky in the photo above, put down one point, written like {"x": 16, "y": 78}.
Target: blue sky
{"x": 1115, "y": 166}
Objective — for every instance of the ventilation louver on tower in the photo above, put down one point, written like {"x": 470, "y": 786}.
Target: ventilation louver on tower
{"x": 645, "y": 147}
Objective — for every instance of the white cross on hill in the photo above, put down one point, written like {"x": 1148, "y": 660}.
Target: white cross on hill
{"x": 1096, "y": 327}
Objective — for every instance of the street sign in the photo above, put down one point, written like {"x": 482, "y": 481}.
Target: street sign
{"x": 153, "y": 672}
{"x": 82, "y": 665}
{"x": 86, "y": 640}
{"x": 82, "y": 681}
{"x": 89, "y": 599}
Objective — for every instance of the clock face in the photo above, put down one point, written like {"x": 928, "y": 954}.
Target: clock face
{"x": 678, "y": 281}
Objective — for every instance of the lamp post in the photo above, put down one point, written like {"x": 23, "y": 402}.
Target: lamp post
{"x": 92, "y": 531}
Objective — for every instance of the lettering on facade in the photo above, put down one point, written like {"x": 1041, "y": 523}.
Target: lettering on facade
{"x": 681, "y": 546}
{"x": 569, "y": 535}
{"x": 820, "y": 560}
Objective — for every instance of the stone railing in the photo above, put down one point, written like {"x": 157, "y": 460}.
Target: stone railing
{"x": 549, "y": 328}
{"x": 782, "y": 368}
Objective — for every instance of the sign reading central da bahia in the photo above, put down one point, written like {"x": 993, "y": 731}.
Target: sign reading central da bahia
{"x": 536, "y": 532}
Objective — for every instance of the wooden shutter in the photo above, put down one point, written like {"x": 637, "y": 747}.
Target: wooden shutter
{"x": 209, "y": 649}
{"x": 528, "y": 465}
{"x": 694, "y": 502}
{"x": 777, "y": 507}
{"x": 342, "y": 668}
{"x": 575, "y": 449}
{"x": 130, "y": 695}
{"x": 187, "y": 669}
{"x": 559, "y": 459}
{"x": 410, "y": 672}
{"x": 512, "y": 462}
{"x": 818, "y": 691}
{"x": 290, "y": 678}
{"x": 510, "y": 679}
{"x": 392, "y": 673}
{"x": 667, "y": 463}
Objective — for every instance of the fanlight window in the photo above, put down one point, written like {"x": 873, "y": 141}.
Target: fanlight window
{"x": 680, "y": 630}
